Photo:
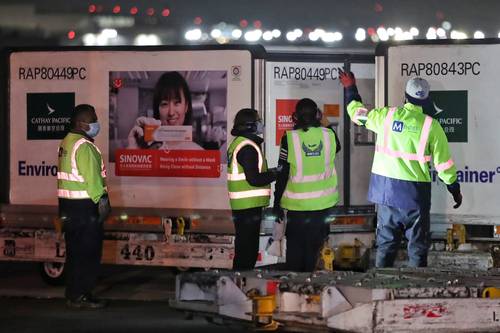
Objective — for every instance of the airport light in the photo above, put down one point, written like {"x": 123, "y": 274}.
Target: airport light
{"x": 101, "y": 40}
{"x": 216, "y": 33}
{"x": 331, "y": 37}
{"x": 253, "y": 35}
{"x": 109, "y": 33}
{"x": 455, "y": 34}
{"x": 267, "y": 36}
{"x": 313, "y": 36}
{"x": 360, "y": 34}
{"x": 89, "y": 39}
{"x": 298, "y": 33}
{"x": 478, "y": 35}
{"x": 446, "y": 25}
{"x": 382, "y": 34}
{"x": 237, "y": 33}
{"x": 291, "y": 36}
{"x": 193, "y": 35}
{"x": 441, "y": 33}
{"x": 431, "y": 33}
{"x": 145, "y": 39}
{"x": 404, "y": 35}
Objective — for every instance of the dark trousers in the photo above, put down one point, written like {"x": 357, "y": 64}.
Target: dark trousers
{"x": 306, "y": 232}
{"x": 83, "y": 234}
{"x": 246, "y": 243}
{"x": 392, "y": 223}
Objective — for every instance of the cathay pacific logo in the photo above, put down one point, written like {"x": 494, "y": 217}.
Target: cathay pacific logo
{"x": 49, "y": 115}
{"x": 449, "y": 108}
{"x": 438, "y": 109}
{"x": 51, "y": 110}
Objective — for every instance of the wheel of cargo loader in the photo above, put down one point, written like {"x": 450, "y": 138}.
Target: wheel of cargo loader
{"x": 52, "y": 273}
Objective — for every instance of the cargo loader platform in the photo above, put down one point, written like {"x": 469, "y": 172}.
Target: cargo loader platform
{"x": 380, "y": 300}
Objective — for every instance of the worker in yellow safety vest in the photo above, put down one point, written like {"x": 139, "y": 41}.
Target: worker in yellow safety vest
{"x": 306, "y": 186}
{"x": 407, "y": 141}
{"x": 83, "y": 206}
{"x": 248, "y": 182}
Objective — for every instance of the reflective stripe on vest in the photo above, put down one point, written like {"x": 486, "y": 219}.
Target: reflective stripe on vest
{"x": 444, "y": 166}
{"x": 312, "y": 183}
{"x": 424, "y": 136}
{"x": 75, "y": 175}
{"x": 249, "y": 194}
{"x": 72, "y": 194}
{"x": 310, "y": 195}
{"x": 69, "y": 176}
{"x": 299, "y": 177}
{"x": 234, "y": 175}
{"x": 242, "y": 195}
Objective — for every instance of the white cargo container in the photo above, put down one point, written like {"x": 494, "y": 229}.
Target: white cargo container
{"x": 463, "y": 77}
{"x": 169, "y": 200}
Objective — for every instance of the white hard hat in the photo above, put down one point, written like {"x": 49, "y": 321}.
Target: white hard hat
{"x": 417, "y": 88}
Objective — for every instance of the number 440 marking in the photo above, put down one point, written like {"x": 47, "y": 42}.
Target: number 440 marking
{"x": 137, "y": 253}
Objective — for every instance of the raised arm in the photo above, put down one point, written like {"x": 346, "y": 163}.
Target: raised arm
{"x": 359, "y": 114}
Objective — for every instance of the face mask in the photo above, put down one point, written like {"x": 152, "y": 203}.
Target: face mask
{"x": 260, "y": 128}
{"x": 94, "y": 129}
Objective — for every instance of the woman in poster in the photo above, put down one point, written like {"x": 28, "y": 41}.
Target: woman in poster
{"x": 172, "y": 106}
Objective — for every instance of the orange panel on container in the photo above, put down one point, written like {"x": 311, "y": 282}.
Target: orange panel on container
{"x": 331, "y": 110}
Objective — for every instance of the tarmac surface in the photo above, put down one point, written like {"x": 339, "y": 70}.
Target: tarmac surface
{"x": 137, "y": 296}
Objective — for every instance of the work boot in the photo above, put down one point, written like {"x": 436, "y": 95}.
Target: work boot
{"x": 85, "y": 302}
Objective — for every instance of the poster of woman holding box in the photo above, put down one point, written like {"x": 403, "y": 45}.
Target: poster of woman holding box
{"x": 171, "y": 125}
{"x": 172, "y": 112}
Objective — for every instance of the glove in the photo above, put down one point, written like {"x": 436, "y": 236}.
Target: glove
{"x": 276, "y": 170}
{"x": 136, "y": 134}
{"x": 458, "y": 199}
{"x": 104, "y": 208}
{"x": 454, "y": 189}
{"x": 346, "y": 79}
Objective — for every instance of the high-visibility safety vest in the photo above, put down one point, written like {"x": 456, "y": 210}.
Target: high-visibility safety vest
{"x": 312, "y": 181}
{"x": 407, "y": 140}
{"x": 242, "y": 195}
{"x": 81, "y": 171}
